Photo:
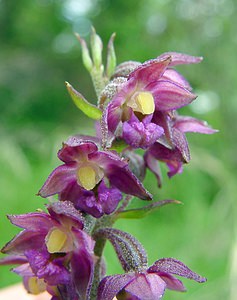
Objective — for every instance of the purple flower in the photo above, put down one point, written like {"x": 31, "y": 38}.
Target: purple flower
{"x": 152, "y": 86}
{"x": 141, "y": 134}
{"x": 52, "y": 247}
{"x": 93, "y": 180}
{"x": 172, "y": 148}
{"x": 149, "y": 284}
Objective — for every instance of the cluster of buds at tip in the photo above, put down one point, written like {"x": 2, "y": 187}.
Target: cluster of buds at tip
{"x": 61, "y": 250}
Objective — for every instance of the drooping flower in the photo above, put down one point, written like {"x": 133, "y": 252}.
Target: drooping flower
{"x": 52, "y": 248}
{"x": 149, "y": 284}
{"x": 93, "y": 180}
{"x": 172, "y": 148}
{"x": 150, "y": 87}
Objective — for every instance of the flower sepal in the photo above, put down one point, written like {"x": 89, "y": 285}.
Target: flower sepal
{"x": 129, "y": 250}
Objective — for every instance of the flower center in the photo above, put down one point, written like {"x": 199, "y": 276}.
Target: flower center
{"x": 36, "y": 285}
{"x": 87, "y": 177}
{"x": 142, "y": 102}
{"x": 55, "y": 240}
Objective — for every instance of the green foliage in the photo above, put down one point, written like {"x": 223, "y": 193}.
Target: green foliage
{"x": 39, "y": 52}
{"x": 139, "y": 213}
{"x": 87, "y": 108}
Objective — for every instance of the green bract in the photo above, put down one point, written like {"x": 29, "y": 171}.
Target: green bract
{"x": 87, "y": 108}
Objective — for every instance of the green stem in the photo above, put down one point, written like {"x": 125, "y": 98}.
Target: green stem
{"x": 106, "y": 221}
{"x": 98, "y": 80}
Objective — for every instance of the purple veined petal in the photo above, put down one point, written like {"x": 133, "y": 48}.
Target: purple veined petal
{"x": 172, "y": 157}
{"x": 180, "y": 141}
{"x": 113, "y": 115}
{"x": 153, "y": 164}
{"x": 163, "y": 153}
{"x": 72, "y": 192}
{"x": 181, "y": 58}
{"x": 163, "y": 119}
{"x": 13, "y": 260}
{"x": 175, "y": 167}
{"x": 65, "y": 212}
{"x": 82, "y": 199}
{"x": 109, "y": 198}
{"x": 76, "y": 148}
{"x": 24, "y": 240}
{"x": 87, "y": 202}
{"x": 38, "y": 221}
{"x": 172, "y": 75}
{"x": 110, "y": 286}
{"x": 146, "y": 287}
{"x": 58, "y": 180}
{"x": 176, "y": 267}
{"x": 172, "y": 283}
{"x": 116, "y": 111}
{"x": 107, "y": 159}
{"x": 52, "y": 271}
{"x": 24, "y": 270}
{"x": 119, "y": 175}
{"x": 128, "y": 183}
{"x": 150, "y": 71}
{"x": 140, "y": 135}
{"x": 82, "y": 264}
{"x": 169, "y": 95}
{"x": 189, "y": 124}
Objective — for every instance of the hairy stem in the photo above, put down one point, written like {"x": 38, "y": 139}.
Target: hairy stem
{"x": 106, "y": 221}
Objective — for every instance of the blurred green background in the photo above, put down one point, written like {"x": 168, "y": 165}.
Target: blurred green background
{"x": 39, "y": 52}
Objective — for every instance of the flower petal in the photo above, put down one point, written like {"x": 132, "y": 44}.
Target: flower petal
{"x": 173, "y": 75}
{"x": 24, "y": 240}
{"x": 65, "y": 212}
{"x": 140, "y": 135}
{"x": 153, "y": 164}
{"x": 181, "y": 58}
{"x": 150, "y": 71}
{"x": 172, "y": 282}
{"x": 13, "y": 260}
{"x": 38, "y": 221}
{"x": 169, "y": 95}
{"x": 119, "y": 175}
{"x": 189, "y": 124}
{"x": 108, "y": 197}
{"x": 52, "y": 271}
{"x": 58, "y": 180}
{"x": 146, "y": 287}
{"x": 75, "y": 148}
{"x": 111, "y": 285}
{"x": 174, "y": 266}
{"x": 82, "y": 264}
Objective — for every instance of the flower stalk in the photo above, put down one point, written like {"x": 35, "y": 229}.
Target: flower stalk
{"x": 61, "y": 250}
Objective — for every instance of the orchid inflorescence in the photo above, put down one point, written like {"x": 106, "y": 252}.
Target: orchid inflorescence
{"x": 61, "y": 250}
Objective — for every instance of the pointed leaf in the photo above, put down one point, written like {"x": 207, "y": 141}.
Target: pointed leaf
{"x": 129, "y": 250}
{"x": 139, "y": 213}
{"x": 87, "y": 108}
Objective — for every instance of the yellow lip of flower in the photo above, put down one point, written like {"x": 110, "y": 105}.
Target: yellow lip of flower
{"x": 142, "y": 102}
{"x": 87, "y": 177}
{"x": 36, "y": 285}
{"x": 55, "y": 240}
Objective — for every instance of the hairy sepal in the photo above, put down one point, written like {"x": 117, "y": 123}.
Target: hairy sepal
{"x": 129, "y": 250}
